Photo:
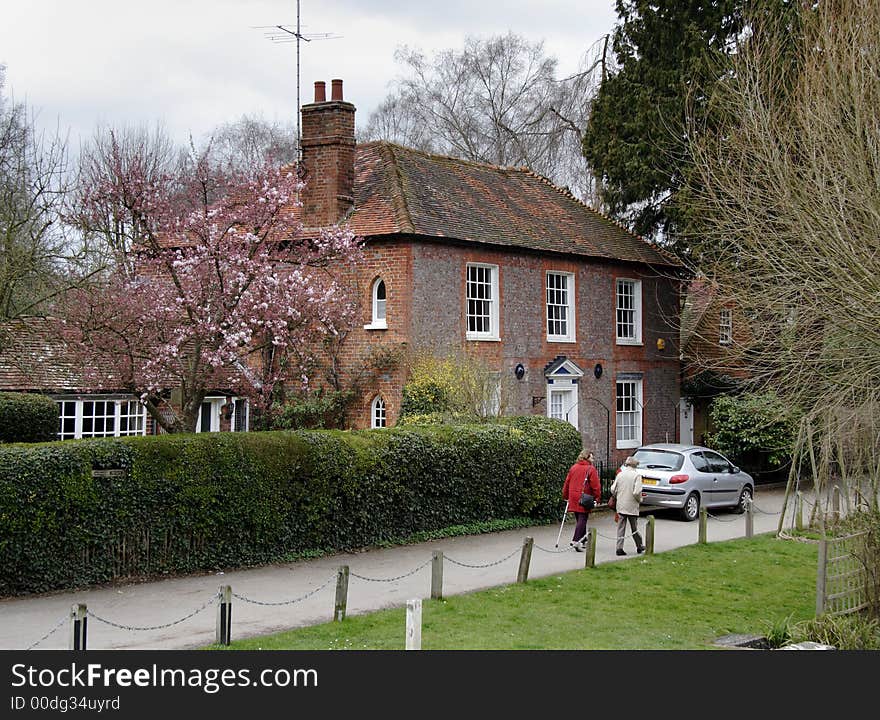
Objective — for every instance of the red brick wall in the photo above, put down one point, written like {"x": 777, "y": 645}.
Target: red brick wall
{"x": 328, "y": 160}
{"x": 425, "y": 283}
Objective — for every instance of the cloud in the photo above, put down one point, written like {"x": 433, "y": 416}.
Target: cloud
{"x": 195, "y": 64}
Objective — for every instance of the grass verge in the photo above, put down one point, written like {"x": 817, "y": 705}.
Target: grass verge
{"x": 682, "y": 599}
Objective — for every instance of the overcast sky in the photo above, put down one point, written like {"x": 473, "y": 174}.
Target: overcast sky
{"x": 195, "y": 64}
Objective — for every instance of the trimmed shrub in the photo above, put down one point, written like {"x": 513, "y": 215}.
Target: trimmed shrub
{"x": 25, "y": 417}
{"x": 755, "y": 431}
{"x": 195, "y": 502}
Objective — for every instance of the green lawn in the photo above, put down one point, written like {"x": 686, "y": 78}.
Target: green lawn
{"x": 682, "y": 599}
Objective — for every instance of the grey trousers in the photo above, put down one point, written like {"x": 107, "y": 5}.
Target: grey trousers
{"x": 621, "y": 530}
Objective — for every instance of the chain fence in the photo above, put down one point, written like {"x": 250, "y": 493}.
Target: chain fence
{"x": 134, "y": 628}
{"x": 224, "y": 597}
{"x": 48, "y": 634}
{"x": 392, "y": 579}
{"x": 284, "y": 602}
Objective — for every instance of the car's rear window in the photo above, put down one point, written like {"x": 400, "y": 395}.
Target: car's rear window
{"x": 659, "y": 460}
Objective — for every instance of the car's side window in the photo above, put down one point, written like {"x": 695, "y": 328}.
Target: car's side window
{"x": 717, "y": 463}
{"x": 700, "y": 462}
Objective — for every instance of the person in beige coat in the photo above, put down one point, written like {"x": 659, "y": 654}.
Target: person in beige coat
{"x": 627, "y": 491}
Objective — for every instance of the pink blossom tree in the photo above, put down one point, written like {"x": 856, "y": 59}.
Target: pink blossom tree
{"x": 215, "y": 286}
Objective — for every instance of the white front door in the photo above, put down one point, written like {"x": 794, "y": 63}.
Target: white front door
{"x": 685, "y": 422}
{"x": 562, "y": 404}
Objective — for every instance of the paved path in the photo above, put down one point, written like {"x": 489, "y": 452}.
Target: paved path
{"x": 180, "y": 613}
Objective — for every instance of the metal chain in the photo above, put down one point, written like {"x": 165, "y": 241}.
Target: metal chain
{"x": 57, "y": 625}
{"x": 556, "y": 550}
{"x": 393, "y": 579}
{"x": 627, "y": 535}
{"x": 285, "y": 602}
{"x": 721, "y": 519}
{"x": 497, "y": 562}
{"x": 765, "y": 512}
{"x": 154, "y": 627}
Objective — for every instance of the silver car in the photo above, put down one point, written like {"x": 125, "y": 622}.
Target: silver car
{"x": 684, "y": 477}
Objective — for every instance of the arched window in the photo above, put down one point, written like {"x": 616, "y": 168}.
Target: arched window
{"x": 378, "y": 319}
{"x": 377, "y": 413}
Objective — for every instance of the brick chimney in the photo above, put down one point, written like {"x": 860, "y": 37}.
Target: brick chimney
{"x": 327, "y": 156}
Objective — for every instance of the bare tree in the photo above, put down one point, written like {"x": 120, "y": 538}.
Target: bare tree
{"x": 106, "y": 232}
{"x": 786, "y": 196}
{"x": 497, "y": 101}
{"x": 251, "y": 140}
{"x": 32, "y": 184}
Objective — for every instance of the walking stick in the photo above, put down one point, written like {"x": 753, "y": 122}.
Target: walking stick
{"x": 564, "y": 513}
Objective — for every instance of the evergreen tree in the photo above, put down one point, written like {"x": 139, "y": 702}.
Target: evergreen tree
{"x": 668, "y": 57}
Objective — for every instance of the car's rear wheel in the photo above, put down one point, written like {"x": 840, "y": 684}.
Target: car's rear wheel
{"x": 745, "y": 497}
{"x": 691, "y": 508}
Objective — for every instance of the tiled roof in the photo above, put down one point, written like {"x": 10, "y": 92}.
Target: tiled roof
{"x": 32, "y": 357}
{"x": 400, "y": 190}
{"x": 699, "y": 296}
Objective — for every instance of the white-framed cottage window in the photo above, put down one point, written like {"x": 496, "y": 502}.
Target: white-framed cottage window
{"x": 628, "y": 415}
{"x": 378, "y": 418}
{"x": 240, "y": 421}
{"x": 100, "y": 417}
{"x": 131, "y": 417}
{"x": 560, "y": 307}
{"x": 379, "y": 304}
{"x": 209, "y": 414}
{"x": 628, "y": 311}
{"x": 482, "y": 302}
{"x": 725, "y": 329}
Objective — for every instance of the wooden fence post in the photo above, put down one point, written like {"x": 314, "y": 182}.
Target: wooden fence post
{"x": 649, "y": 536}
{"x": 524, "y": 559}
{"x": 590, "y": 559}
{"x": 437, "y": 575}
{"x": 414, "y": 624}
{"x": 835, "y": 503}
{"x": 820, "y": 576}
{"x": 341, "y": 593}
{"x": 799, "y": 512}
{"x": 704, "y": 519}
{"x": 750, "y": 518}
{"x": 223, "y": 634}
{"x": 78, "y": 627}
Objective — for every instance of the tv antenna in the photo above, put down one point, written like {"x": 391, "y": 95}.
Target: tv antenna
{"x": 284, "y": 34}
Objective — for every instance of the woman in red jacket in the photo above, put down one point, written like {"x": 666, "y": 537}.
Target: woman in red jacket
{"x": 582, "y": 477}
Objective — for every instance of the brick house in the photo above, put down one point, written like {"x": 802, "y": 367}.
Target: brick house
{"x": 576, "y": 315}
{"x": 711, "y": 330}
{"x": 497, "y": 262}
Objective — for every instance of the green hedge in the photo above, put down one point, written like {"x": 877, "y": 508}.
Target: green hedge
{"x": 186, "y": 503}
{"x": 27, "y": 418}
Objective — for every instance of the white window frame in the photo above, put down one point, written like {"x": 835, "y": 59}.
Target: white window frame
{"x": 127, "y": 407}
{"x": 378, "y": 319}
{"x": 492, "y": 314}
{"x": 378, "y": 413}
{"x": 216, "y": 403}
{"x": 634, "y": 410}
{"x": 636, "y": 310}
{"x": 567, "y": 395}
{"x": 242, "y": 408}
{"x": 559, "y": 301}
{"x": 725, "y": 326}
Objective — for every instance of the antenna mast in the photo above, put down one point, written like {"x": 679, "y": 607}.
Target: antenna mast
{"x": 280, "y": 33}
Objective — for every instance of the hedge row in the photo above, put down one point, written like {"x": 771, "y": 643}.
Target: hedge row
{"x": 186, "y": 503}
{"x": 27, "y": 418}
